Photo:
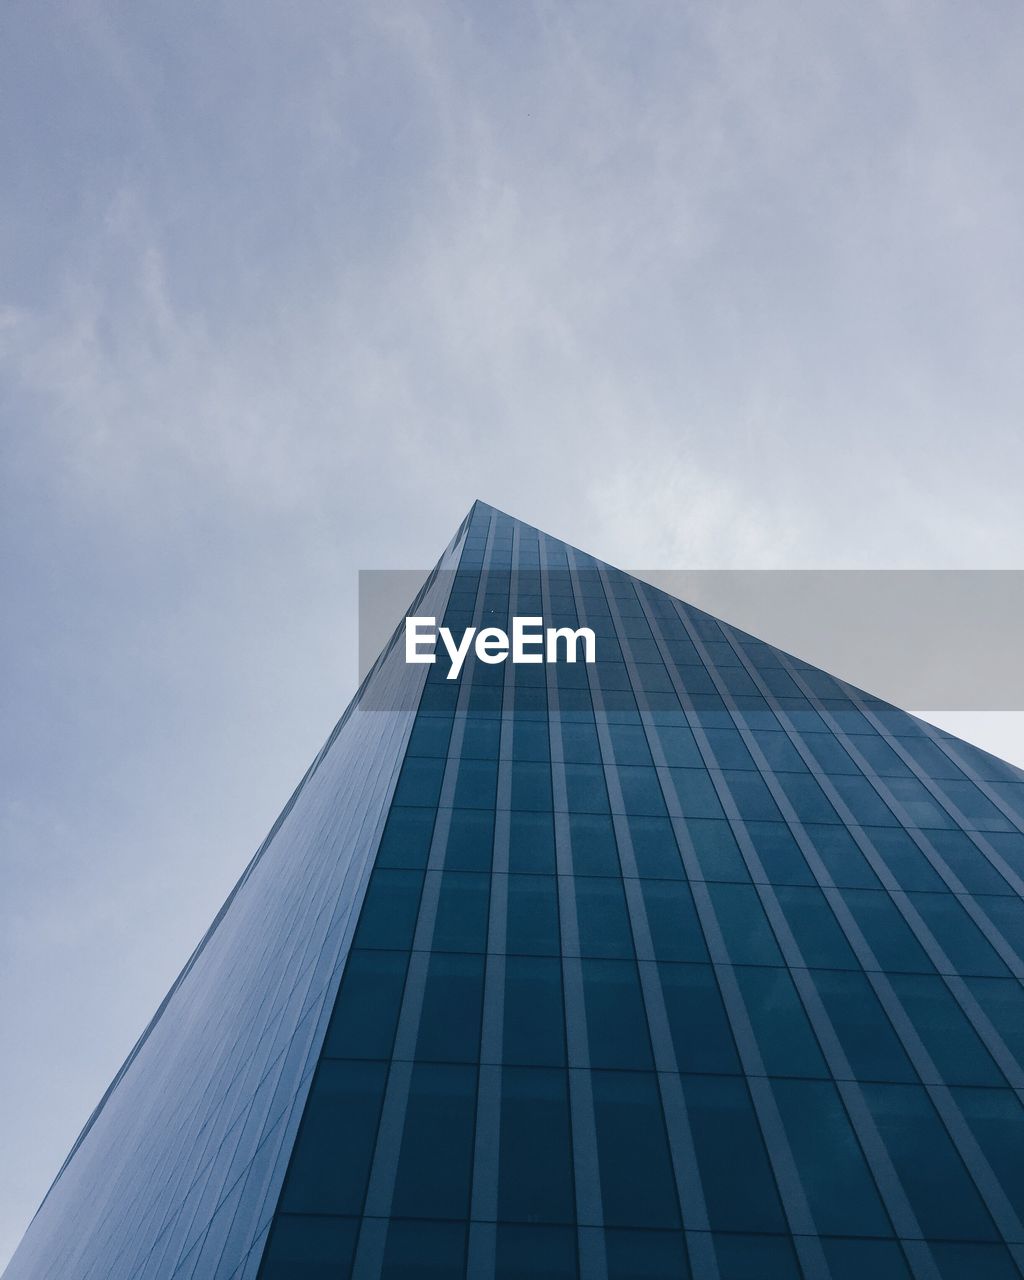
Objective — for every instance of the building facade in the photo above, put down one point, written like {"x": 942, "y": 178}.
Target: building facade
{"x": 693, "y": 962}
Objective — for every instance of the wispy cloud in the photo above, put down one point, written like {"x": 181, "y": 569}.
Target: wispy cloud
{"x": 716, "y": 285}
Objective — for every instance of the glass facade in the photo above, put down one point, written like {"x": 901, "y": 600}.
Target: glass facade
{"x": 695, "y": 962}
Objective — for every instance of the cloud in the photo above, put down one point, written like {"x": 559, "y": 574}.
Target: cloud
{"x": 720, "y": 285}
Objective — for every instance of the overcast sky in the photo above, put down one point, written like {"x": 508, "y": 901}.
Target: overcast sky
{"x": 690, "y": 284}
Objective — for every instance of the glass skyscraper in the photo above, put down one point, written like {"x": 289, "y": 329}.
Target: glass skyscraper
{"x": 693, "y": 962}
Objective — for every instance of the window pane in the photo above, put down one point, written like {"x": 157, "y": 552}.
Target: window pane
{"x": 603, "y": 919}
{"x": 310, "y": 1248}
{"x": 535, "y": 1177}
{"x": 341, "y": 1116}
{"x": 534, "y": 1025}
{"x": 449, "y": 1028}
{"x": 461, "y": 922}
{"x": 872, "y": 1047}
{"x": 594, "y": 851}
{"x": 788, "y": 1045}
{"x": 676, "y": 933}
{"x": 954, "y": 1045}
{"x": 700, "y": 1029}
{"x": 533, "y": 916}
{"x": 738, "y": 1184}
{"x": 616, "y": 1019}
{"x": 388, "y": 917}
{"x": 531, "y": 842}
{"x": 366, "y": 1012}
{"x": 424, "y": 1251}
{"x": 406, "y": 838}
{"x": 832, "y": 1168}
{"x": 637, "y": 1183}
{"x": 547, "y": 1253}
{"x": 437, "y": 1143}
{"x": 470, "y": 840}
{"x": 940, "y": 1192}
{"x": 748, "y": 935}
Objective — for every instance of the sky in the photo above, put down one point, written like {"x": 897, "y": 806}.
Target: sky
{"x": 688, "y": 284}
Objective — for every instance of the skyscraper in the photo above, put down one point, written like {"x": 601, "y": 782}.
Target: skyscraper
{"x": 693, "y": 962}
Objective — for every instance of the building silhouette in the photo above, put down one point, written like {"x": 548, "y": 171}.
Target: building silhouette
{"x": 696, "y": 962}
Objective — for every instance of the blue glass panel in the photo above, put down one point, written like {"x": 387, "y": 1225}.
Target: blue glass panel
{"x": 718, "y": 854}
{"x": 905, "y": 860}
{"x": 784, "y": 1037}
{"x": 476, "y": 786}
{"x": 629, "y": 744}
{"x": 580, "y": 743}
{"x": 388, "y": 918}
{"x": 942, "y": 1195}
{"x": 637, "y": 1183}
{"x": 310, "y": 1248}
{"x": 679, "y": 747}
{"x": 406, "y": 839}
{"x": 779, "y": 752}
{"x": 424, "y": 1251}
{"x": 872, "y": 1047}
{"x": 863, "y": 801}
{"x": 604, "y": 928}
{"x": 654, "y": 848}
{"x": 821, "y": 941}
{"x": 887, "y": 932}
{"x": 696, "y": 792}
{"x": 543, "y": 1253}
{"x": 843, "y": 858}
{"x": 646, "y": 1255}
{"x": 641, "y": 791}
{"x": 585, "y": 788}
{"x": 341, "y": 1115}
{"x": 533, "y": 916}
{"x": 449, "y": 1028}
{"x": 829, "y": 753}
{"x": 594, "y": 851}
{"x": 616, "y": 1020}
{"x": 729, "y": 750}
{"x": 462, "y": 907}
{"x": 1002, "y": 999}
{"x": 753, "y": 799}
{"x": 963, "y": 857}
{"x": 701, "y": 1034}
{"x": 531, "y": 740}
{"x": 963, "y": 1260}
{"x": 839, "y": 1188}
{"x": 531, "y": 842}
{"x": 855, "y": 1259}
{"x": 433, "y": 1175}
{"x": 366, "y": 1013}
{"x": 535, "y": 1182}
{"x": 756, "y": 1258}
{"x": 420, "y": 781}
{"x": 534, "y": 1027}
{"x": 996, "y": 1119}
{"x": 430, "y": 736}
{"x": 779, "y": 853}
{"x": 481, "y": 738}
{"x": 470, "y": 840}
{"x": 734, "y": 1169}
{"x": 1007, "y": 914}
{"x": 531, "y": 785}
{"x": 945, "y": 1030}
{"x": 748, "y": 936}
{"x": 957, "y": 934}
{"x": 675, "y": 929}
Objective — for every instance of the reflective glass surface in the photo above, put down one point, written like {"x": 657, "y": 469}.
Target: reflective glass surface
{"x": 695, "y": 962}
